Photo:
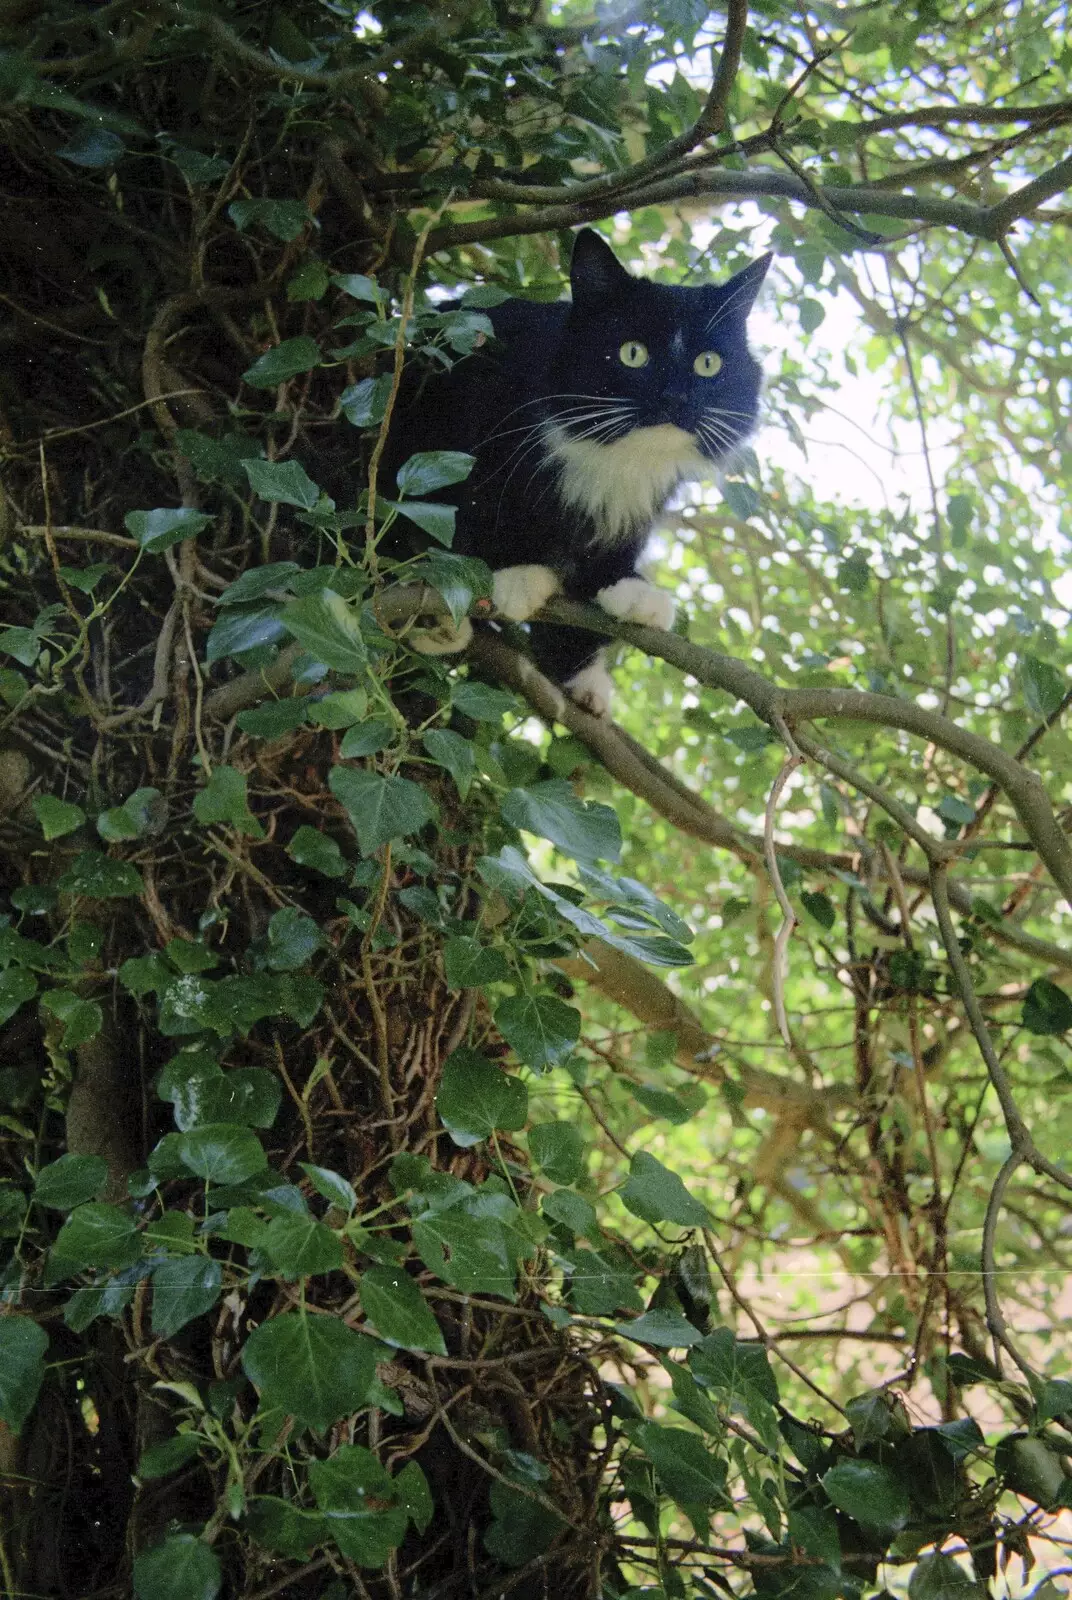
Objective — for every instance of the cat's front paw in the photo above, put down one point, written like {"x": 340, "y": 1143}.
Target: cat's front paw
{"x": 636, "y": 600}
{"x": 591, "y": 688}
{"x": 519, "y": 592}
{"x": 444, "y": 638}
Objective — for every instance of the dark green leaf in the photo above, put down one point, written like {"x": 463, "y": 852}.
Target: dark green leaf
{"x": 399, "y": 1312}
{"x": 223, "y": 799}
{"x": 184, "y": 1287}
{"x": 655, "y": 1194}
{"x": 334, "y": 1187}
{"x": 283, "y": 219}
{"x": 437, "y": 521}
{"x": 311, "y": 848}
{"x": 22, "y": 1368}
{"x": 299, "y": 1246}
{"x": 870, "y": 1493}
{"x": 97, "y": 1235}
{"x": 571, "y": 1210}
{"x": 433, "y": 469}
{"x": 282, "y": 482}
{"x": 368, "y": 738}
{"x": 70, "y": 1181}
{"x": 819, "y": 907}
{"x": 81, "y": 1019}
{"x": 940, "y": 1577}
{"x": 448, "y": 749}
{"x": 182, "y": 1568}
{"x": 57, "y": 817}
{"x": 275, "y": 577}
{"x": 160, "y": 1460}
{"x": 540, "y": 1028}
{"x": 469, "y": 965}
{"x": 240, "y": 630}
{"x": 380, "y": 808}
{"x": 100, "y": 877}
{"x": 666, "y": 1328}
{"x": 475, "y": 1097}
{"x": 1054, "y": 1400}
{"x": 222, "y": 1152}
{"x": 313, "y": 1367}
{"x": 481, "y": 702}
{"x": 292, "y": 940}
{"x": 281, "y": 362}
{"x": 358, "y": 1501}
{"x": 359, "y": 287}
{"x": 143, "y": 812}
{"x": 1047, "y": 1008}
{"x": 1044, "y": 687}
{"x": 158, "y": 530}
{"x": 310, "y": 282}
{"x": 329, "y": 628}
{"x": 583, "y": 829}
{"x": 339, "y": 709}
{"x": 686, "y": 1465}
{"x": 16, "y": 987}
{"x": 558, "y": 1150}
{"x": 364, "y": 403}
{"x": 521, "y": 1529}
{"x": 275, "y": 718}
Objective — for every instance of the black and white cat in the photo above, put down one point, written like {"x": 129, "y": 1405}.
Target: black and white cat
{"x": 584, "y": 416}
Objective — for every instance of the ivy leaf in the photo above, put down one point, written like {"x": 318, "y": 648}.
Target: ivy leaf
{"x": 448, "y": 749}
{"x": 283, "y": 219}
{"x": 437, "y": 521}
{"x": 364, "y": 403}
{"x": 98, "y": 1235}
{"x": 299, "y": 1246}
{"x": 81, "y": 1019}
{"x": 475, "y": 1097}
{"x": 558, "y": 1150}
{"x": 870, "y": 1494}
{"x": 17, "y": 985}
{"x": 222, "y": 1152}
{"x": 470, "y": 965}
{"x": 182, "y": 1568}
{"x": 57, "y": 817}
{"x": 223, "y": 799}
{"x": 332, "y": 1185}
{"x": 583, "y": 829}
{"x": 281, "y": 362}
{"x": 521, "y": 1528}
{"x": 433, "y": 469}
{"x": 171, "y": 1455}
{"x": 687, "y": 1467}
{"x": 541, "y": 1029}
{"x": 159, "y": 530}
{"x": 184, "y": 1287}
{"x": 243, "y": 629}
{"x": 92, "y": 147}
{"x": 1044, "y": 687}
{"x": 312, "y": 1367}
{"x": 380, "y": 808}
{"x": 668, "y": 1329}
{"x": 70, "y": 1181}
{"x": 1047, "y": 1008}
{"x": 311, "y": 848}
{"x": 399, "y": 1312}
{"x": 292, "y": 940}
{"x": 358, "y": 1500}
{"x": 283, "y": 482}
{"x": 470, "y": 1253}
{"x": 596, "y": 1287}
{"x": 310, "y": 282}
{"x": 655, "y": 1194}
{"x": 940, "y": 1577}
{"x": 820, "y": 908}
{"x": 368, "y": 738}
{"x": 274, "y": 718}
{"x": 22, "y": 1368}
{"x": 459, "y": 579}
{"x": 329, "y": 628}
{"x": 98, "y": 877}
{"x": 144, "y": 811}
{"x": 481, "y": 702}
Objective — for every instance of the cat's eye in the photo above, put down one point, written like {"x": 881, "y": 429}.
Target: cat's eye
{"x": 633, "y": 354}
{"x": 707, "y": 363}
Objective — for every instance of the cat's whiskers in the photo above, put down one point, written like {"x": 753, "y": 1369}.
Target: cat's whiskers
{"x": 728, "y": 304}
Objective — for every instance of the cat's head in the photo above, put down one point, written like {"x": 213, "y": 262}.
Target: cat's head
{"x": 637, "y": 354}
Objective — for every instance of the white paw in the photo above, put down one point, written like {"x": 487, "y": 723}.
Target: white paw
{"x": 446, "y": 639}
{"x": 636, "y": 600}
{"x": 519, "y": 592}
{"x": 591, "y": 688}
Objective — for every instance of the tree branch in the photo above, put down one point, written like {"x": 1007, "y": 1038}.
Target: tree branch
{"x": 770, "y": 704}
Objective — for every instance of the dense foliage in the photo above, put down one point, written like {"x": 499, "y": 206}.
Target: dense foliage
{"x": 451, "y": 1145}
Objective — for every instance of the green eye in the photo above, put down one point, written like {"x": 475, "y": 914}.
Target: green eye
{"x": 633, "y": 354}
{"x": 707, "y": 363}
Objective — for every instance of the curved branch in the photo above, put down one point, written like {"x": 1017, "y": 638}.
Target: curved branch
{"x": 1024, "y": 789}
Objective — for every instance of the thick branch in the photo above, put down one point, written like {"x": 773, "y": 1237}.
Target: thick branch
{"x": 981, "y": 222}
{"x": 772, "y": 704}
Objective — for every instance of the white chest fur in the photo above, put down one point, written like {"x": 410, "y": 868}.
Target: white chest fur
{"x": 622, "y": 485}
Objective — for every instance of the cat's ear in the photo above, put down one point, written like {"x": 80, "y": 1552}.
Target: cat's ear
{"x": 595, "y": 272}
{"x": 738, "y": 296}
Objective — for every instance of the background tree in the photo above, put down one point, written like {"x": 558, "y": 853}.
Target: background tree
{"x": 380, "y": 1217}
